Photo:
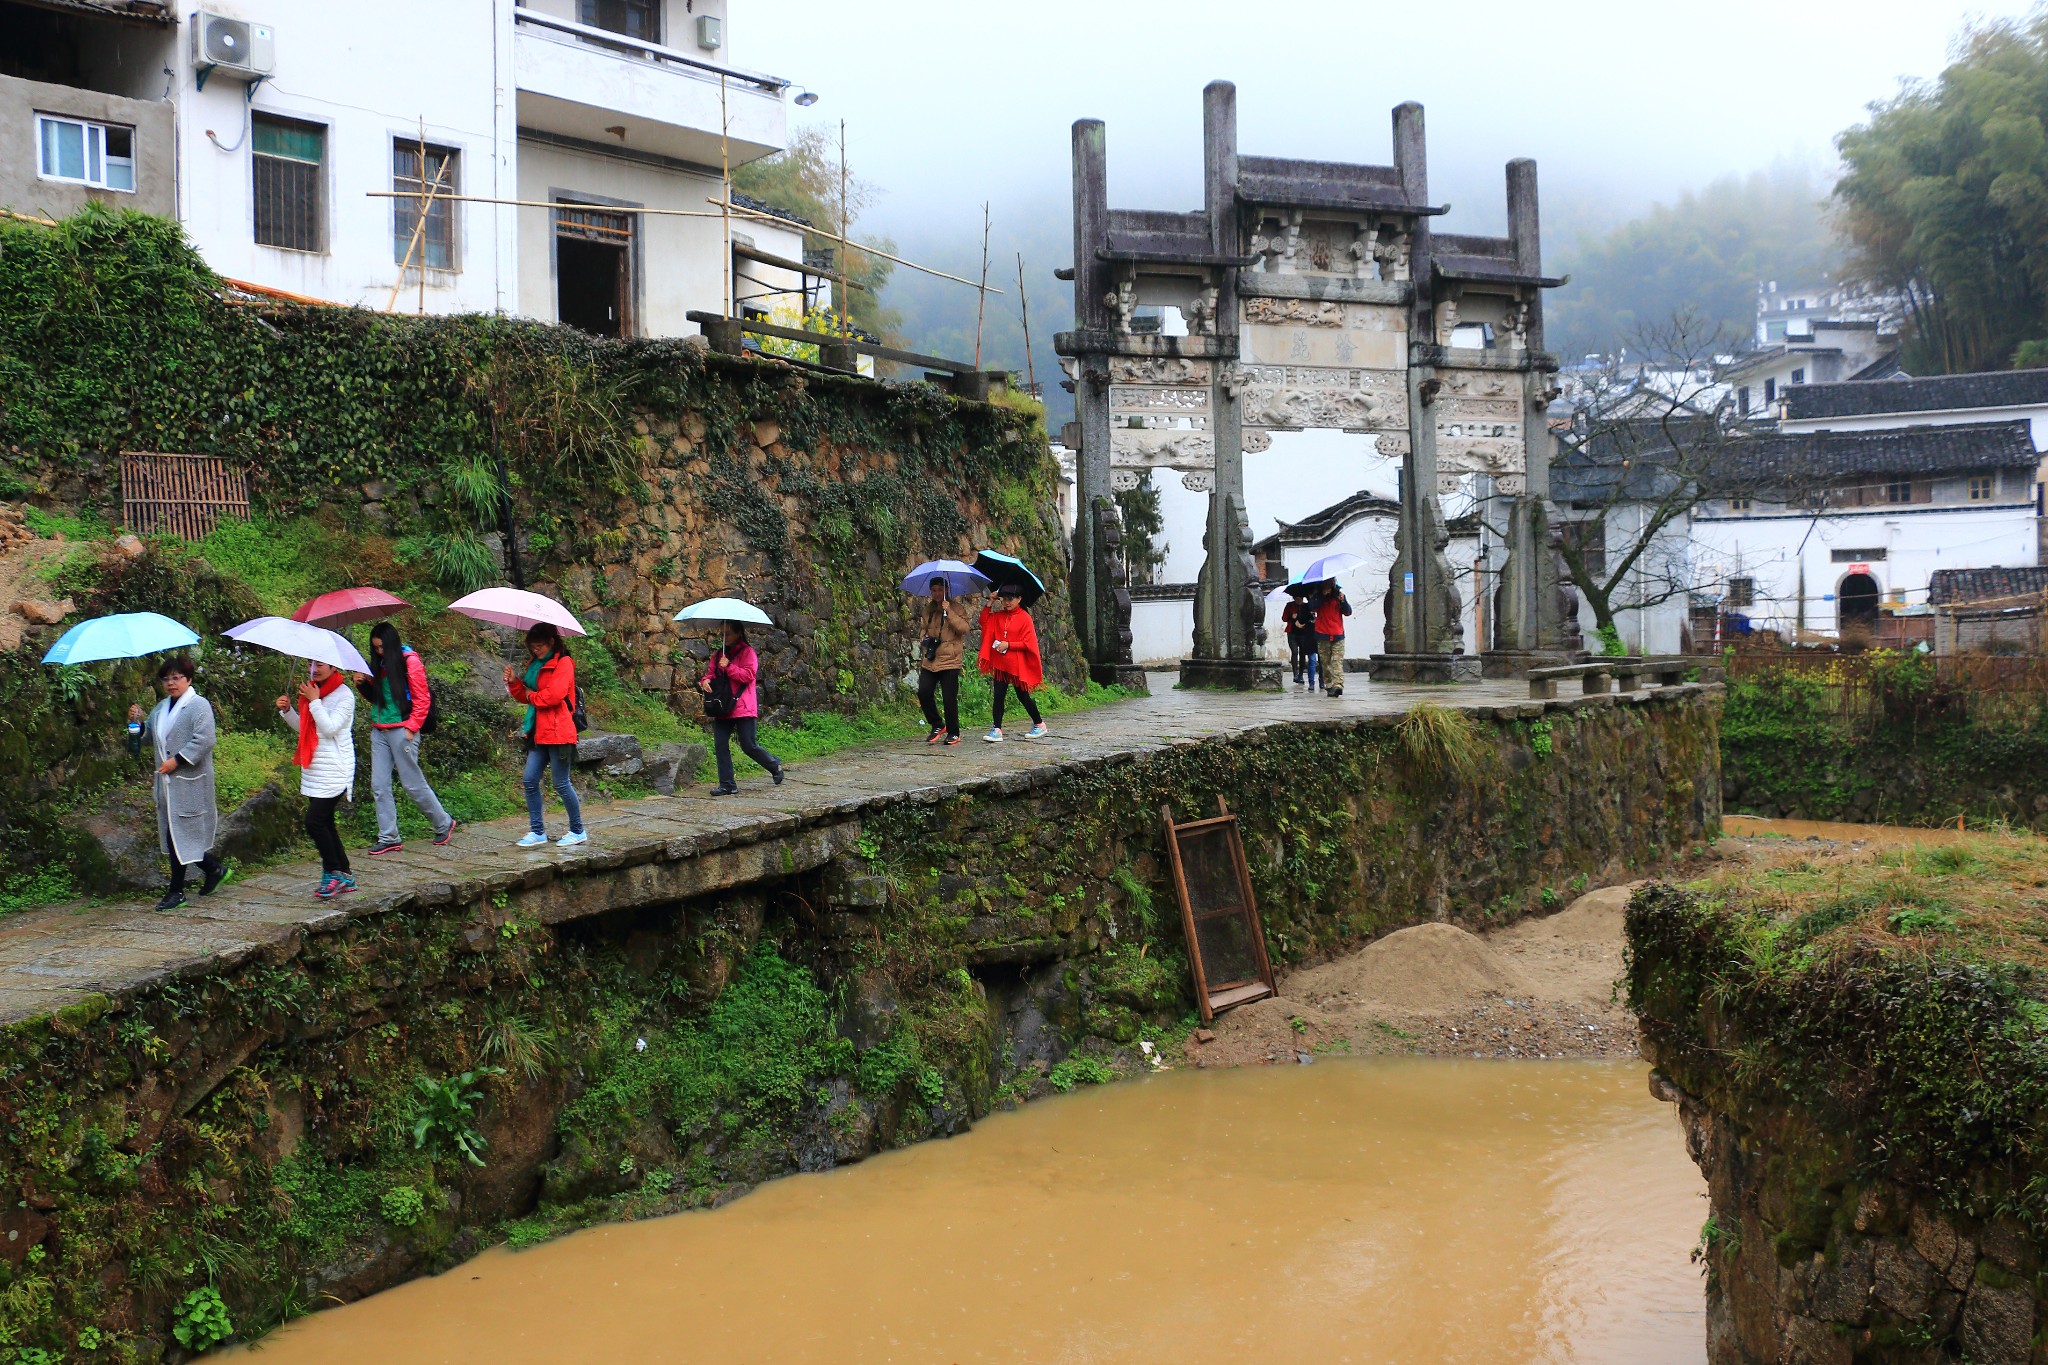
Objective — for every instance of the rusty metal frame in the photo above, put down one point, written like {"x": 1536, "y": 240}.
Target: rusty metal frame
{"x": 1210, "y": 997}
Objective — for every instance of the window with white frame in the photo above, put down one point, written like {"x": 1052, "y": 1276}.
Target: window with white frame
{"x": 82, "y": 152}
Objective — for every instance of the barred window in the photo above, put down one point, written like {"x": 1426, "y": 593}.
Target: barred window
{"x": 436, "y": 245}
{"x": 288, "y": 173}
{"x": 1741, "y": 592}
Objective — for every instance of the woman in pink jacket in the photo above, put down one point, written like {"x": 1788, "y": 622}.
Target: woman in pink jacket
{"x": 733, "y": 702}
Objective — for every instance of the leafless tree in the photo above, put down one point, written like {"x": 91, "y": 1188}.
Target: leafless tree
{"x": 1647, "y": 442}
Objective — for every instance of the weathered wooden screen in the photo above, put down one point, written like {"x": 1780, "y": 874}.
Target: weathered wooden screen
{"x": 1226, "y": 946}
{"x": 179, "y": 495}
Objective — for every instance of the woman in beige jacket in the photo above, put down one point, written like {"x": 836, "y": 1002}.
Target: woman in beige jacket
{"x": 942, "y": 645}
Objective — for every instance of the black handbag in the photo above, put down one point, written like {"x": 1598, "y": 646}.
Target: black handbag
{"x": 718, "y": 702}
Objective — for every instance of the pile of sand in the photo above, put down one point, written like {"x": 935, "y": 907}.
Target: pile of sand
{"x": 1425, "y": 967}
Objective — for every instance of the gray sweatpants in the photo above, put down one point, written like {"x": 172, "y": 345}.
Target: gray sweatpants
{"x": 399, "y": 749}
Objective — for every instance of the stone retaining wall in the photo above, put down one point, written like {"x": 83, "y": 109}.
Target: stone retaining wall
{"x": 679, "y": 1016}
{"x": 1895, "y": 1278}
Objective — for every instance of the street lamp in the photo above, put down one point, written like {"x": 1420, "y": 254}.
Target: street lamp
{"x": 806, "y": 98}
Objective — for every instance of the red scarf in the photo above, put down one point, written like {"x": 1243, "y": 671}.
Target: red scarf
{"x": 309, "y": 733}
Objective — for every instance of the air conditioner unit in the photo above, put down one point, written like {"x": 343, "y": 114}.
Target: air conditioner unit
{"x": 233, "y": 47}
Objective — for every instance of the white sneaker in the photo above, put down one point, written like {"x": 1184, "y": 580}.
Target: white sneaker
{"x": 994, "y": 736}
{"x": 531, "y": 840}
{"x": 1037, "y": 731}
{"x": 572, "y": 838}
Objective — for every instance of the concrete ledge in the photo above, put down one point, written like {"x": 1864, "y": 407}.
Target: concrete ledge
{"x": 1233, "y": 675}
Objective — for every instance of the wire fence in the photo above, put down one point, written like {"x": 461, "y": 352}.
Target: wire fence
{"x": 1917, "y": 691}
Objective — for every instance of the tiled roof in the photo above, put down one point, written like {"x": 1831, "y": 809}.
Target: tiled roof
{"x": 1317, "y": 527}
{"x": 748, "y": 201}
{"x": 1949, "y": 586}
{"x": 1647, "y": 469}
{"x": 1937, "y": 393}
{"x": 1972, "y": 448}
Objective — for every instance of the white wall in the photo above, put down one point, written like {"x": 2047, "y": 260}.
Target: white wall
{"x": 1769, "y": 549}
{"x": 1162, "y": 632}
{"x": 370, "y": 71}
{"x": 1303, "y": 472}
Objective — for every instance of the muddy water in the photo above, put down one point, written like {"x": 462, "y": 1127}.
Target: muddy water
{"x": 1389, "y": 1210}
{"x": 1876, "y": 836}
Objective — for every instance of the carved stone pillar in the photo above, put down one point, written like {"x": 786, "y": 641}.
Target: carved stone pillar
{"x": 1528, "y": 631}
{"x": 1422, "y": 604}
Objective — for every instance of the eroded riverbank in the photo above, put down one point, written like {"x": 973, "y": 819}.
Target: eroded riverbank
{"x": 1381, "y": 1210}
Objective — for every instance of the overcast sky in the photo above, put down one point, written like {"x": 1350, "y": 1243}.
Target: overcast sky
{"x": 949, "y": 102}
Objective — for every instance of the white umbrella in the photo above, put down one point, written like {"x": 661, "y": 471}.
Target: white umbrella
{"x": 301, "y": 641}
{"x": 1329, "y": 566}
{"x": 724, "y": 609}
{"x": 517, "y": 608}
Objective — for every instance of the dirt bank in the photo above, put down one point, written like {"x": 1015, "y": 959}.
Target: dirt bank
{"x": 1540, "y": 988}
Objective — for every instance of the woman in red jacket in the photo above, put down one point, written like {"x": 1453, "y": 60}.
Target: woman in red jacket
{"x": 1009, "y": 655}
{"x": 548, "y": 687}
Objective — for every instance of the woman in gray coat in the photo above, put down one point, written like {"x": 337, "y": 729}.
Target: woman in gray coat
{"x": 181, "y": 731}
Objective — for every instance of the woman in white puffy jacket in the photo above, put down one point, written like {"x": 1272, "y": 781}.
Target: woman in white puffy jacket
{"x": 324, "y": 718}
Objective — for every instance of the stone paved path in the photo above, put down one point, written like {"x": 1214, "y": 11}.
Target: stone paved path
{"x": 51, "y": 959}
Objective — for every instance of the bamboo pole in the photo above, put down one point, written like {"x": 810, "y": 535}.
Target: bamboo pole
{"x": 743, "y": 211}
{"x": 725, "y": 189}
{"x": 1024, "y": 308}
{"x": 981, "y": 302}
{"x": 413, "y": 245}
{"x": 424, "y": 208}
{"x": 844, "y": 268}
{"x": 544, "y": 204}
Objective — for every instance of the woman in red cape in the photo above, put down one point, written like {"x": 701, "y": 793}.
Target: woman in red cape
{"x": 1009, "y": 656}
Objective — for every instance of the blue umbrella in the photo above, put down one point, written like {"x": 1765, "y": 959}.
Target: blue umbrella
{"x": 126, "y": 636}
{"x": 961, "y": 579}
{"x": 1006, "y": 571}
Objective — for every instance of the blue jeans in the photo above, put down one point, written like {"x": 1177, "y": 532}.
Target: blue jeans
{"x": 556, "y": 755}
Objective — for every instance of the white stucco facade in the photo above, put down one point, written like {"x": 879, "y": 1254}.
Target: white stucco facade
{"x": 516, "y": 102}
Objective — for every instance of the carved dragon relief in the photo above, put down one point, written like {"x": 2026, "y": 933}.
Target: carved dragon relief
{"x": 1130, "y": 369}
{"x": 1296, "y": 397}
{"x": 1307, "y": 312}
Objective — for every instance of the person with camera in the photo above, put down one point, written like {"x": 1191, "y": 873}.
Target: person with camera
{"x": 942, "y": 629}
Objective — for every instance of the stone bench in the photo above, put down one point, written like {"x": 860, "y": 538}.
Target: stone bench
{"x": 1595, "y": 678}
{"x": 1635, "y": 673}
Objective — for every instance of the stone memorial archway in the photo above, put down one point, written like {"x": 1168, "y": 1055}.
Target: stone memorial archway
{"x": 1314, "y": 295}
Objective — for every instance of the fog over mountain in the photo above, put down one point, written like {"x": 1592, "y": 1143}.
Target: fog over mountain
{"x": 1623, "y": 105}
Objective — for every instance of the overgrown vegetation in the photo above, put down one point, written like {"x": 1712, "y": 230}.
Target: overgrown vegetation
{"x": 1897, "y": 1004}
{"x": 1889, "y": 737}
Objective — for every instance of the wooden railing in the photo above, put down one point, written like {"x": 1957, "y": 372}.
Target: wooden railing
{"x": 838, "y": 353}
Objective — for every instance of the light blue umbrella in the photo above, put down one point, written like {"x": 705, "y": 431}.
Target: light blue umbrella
{"x": 126, "y": 636}
{"x": 724, "y": 609}
{"x": 961, "y": 579}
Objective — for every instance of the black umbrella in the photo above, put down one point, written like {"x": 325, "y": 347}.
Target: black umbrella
{"x": 1006, "y": 572}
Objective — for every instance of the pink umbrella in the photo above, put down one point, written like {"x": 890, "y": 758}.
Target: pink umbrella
{"x": 348, "y": 607}
{"x": 518, "y": 609}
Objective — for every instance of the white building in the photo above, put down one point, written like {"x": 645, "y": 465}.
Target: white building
{"x": 1790, "y": 314}
{"x": 293, "y": 123}
{"x": 1824, "y": 352}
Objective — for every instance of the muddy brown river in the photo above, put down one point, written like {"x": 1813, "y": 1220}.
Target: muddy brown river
{"x": 1387, "y": 1210}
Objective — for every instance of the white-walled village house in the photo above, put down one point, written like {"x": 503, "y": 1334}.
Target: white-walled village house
{"x": 264, "y": 126}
